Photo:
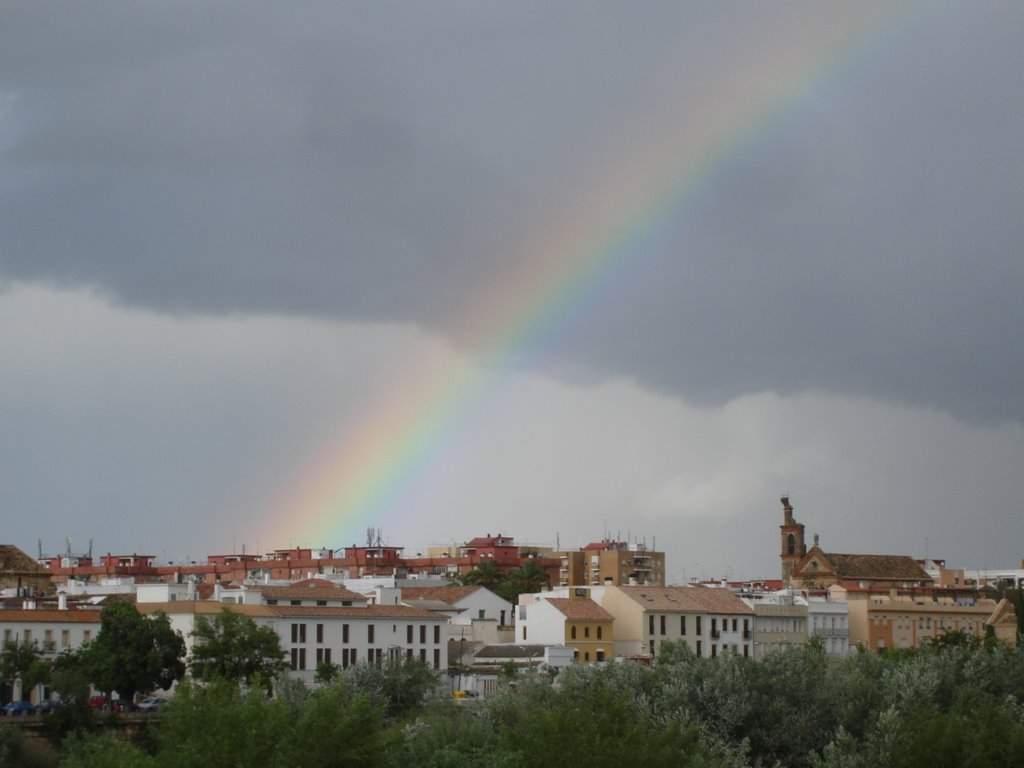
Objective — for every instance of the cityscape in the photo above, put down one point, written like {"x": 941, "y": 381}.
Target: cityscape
{"x": 506, "y": 385}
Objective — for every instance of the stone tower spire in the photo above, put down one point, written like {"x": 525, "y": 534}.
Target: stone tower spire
{"x": 792, "y": 535}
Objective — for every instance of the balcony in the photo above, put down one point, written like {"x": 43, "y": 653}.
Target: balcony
{"x": 715, "y": 634}
{"x": 747, "y": 634}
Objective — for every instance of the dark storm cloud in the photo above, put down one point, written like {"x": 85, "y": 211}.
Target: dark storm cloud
{"x": 383, "y": 161}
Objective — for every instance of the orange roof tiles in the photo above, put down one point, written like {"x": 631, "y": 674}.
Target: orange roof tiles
{"x": 580, "y": 610}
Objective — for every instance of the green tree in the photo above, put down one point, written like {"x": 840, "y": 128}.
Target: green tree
{"x": 232, "y": 646}
{"x": 133, "y": 652}
{"x": 402, "y": 684}
{"x": 21, "y": 661}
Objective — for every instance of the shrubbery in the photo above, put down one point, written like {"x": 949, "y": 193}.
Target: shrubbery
{"x": 950, "y": 705}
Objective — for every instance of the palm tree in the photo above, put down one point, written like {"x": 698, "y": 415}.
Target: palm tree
{"x": 486, "y": 574}
{"x": 528, "y": 577}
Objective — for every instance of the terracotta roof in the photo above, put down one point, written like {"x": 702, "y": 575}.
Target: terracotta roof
{"x": 367, "y": 611}
{"x": 868, "y": 567}
{"x": 580, "y": 610}
{"x": 491, "y": 541}
{"x": 687, "y": 599}
{"x": 205, "y": 591}
{"x": 319, "y": 592}
{"x": 13, "y": 560}
{"x": 46, "y": 616}
{"x": 451, "y": 594}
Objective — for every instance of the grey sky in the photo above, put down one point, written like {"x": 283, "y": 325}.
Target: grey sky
{"x": 200, "y": 203}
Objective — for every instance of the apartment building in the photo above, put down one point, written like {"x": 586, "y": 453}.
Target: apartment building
{"x": 611, "y": 563}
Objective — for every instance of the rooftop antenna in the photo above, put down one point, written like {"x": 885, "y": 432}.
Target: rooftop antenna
{"x": 40, "y": 549}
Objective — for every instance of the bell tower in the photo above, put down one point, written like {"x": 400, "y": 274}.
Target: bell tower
{"x": 792, "y": 535}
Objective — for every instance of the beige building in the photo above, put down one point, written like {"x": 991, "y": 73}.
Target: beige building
{"x": 881, "y": 618}
{"x": 611, "y": 563}
{"x": 780, "y": 622}
{"x": 710, "y": 620}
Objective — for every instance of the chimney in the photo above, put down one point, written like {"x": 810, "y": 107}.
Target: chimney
{"x": 62, "y": 602}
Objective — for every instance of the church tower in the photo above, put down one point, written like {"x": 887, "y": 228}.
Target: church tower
{"x": 792, "y": 535}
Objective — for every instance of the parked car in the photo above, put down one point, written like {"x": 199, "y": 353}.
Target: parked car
{"x": 99, "y": 702}
{"x": 48, "y": 706}
{"x": 152, "y": 704}
{"x": 16, "y": 708}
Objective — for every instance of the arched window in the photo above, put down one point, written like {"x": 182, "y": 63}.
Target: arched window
{"x": 586, "y": 632}
{"x": 599, "y": 633}
{"x": 573, "y": 632}
{"x": 791, "y": 544}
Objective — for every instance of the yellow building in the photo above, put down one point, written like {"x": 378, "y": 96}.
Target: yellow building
{"x": 574, "y": 621}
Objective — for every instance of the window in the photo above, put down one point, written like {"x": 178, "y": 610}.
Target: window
{"x": 87, "y": 636}
{"x": 698, "y": 645}
{"x": 65, "y": 638}
{"x": 682, "y": 625}
{"x": 295, "y": 602}
{"x": 599, "y": 633}
{"x": 319, "y": 633}
{"x": 650, "y": 624}
{"x": 600, "y": 655}
{"x": 302, "y": 658}
{"x": 408, "y": 634}
{"x": 327, "y": 655}
{"x": 408, "y": 653}
{"x": 662, "y": 624}
{"x": 586, "y": 656}
{"x": 734, "y": 625}
{"x": 423, "y": 634}
{"x": 295, "y": 659}
{"x": 714, "y": 650}
{"x": 344, "y": 633}
{"x": 699, "y": 630}
{"x": 481, "y": 614}
{"x": 369, "y": 633}
{"x": 524, "y": 632}
{"x": 586, "y": 632}
{"x": 437, "y": 634}
{"x": 791, "y": 544}
{"x": 423, "y": 655}
{"x": 572, "y": 632}
{"x": 321, "y": 602}
{"x": 437, "y": 658}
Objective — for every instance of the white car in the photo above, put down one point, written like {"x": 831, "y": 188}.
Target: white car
{"x": 152, "y": 704}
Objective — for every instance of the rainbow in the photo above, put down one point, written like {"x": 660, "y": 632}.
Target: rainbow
{"x": 412, "y": 437}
